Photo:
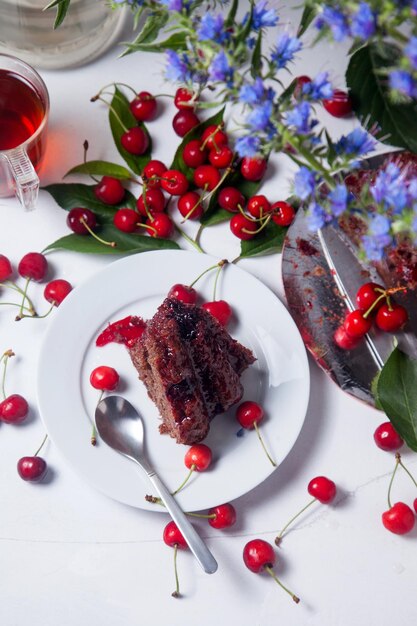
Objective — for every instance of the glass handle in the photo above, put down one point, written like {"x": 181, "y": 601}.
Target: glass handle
{"x": 25, "y": 178}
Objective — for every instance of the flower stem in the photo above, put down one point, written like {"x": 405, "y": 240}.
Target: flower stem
{"x": 41, "y": 446}
{"x": 281, "y": 533}
{"x": 255, "y": 425}
{"x": 271, "y": 572}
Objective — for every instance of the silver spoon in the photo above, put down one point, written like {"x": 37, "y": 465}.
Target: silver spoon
{"x": 121, "y": 427}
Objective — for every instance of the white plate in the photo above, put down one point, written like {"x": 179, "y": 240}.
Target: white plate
{"x": 279, "y": 380}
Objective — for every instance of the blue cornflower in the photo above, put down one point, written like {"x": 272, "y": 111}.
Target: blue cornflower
{"x": 247, "y": 146}
{"x": 172, "y": 5}
{"x": 260, "y": 117}
{"x": 177, "y": 68}
{"x": 410, "y": 51}
{"x": 336, "y": 21}
{"x": 316, "y": 216}
{"x": 285, "y": 49}
{"x": 304, "y": 183}
{"x": 357, "y": 142}
{"x": 319, "y": 88}
{"x": 389, "y": 188}
{"x": 220, "y": 70}
{"x": 402, "y": 81}
{"x": 363, "y": 23}
{"x": 338, "y": 200}
{"x": 377, "y": 238}
{"x": 252, "y": 94}
{"x": 251, "y": 42}
{"x": 412, "y": 189}
{"x": 211, "y": 28}
{"x": 299, "y": 117}
{"x": 263, "y": 16}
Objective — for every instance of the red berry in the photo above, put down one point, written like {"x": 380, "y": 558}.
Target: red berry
{"x": 109, "y": 190}
{"x": 144, "y": 106}
{"x": 356, "y": 325}
{"x": 367, "y": 295}
{"x": 399, "y": 519}
{"x": 222, "y": 157}
{"x": 339, "y": 105}
{"x": 33, "y": 265}
{"x": 387, "y": 438}
{"x": 77, "y": 219}
{"x": 300, "y": 82}
{"x": 32, "y": 468}
{"x": 248, "y": 414}
{"x": 242, "y": 227}
{"x": 225, "y": 516}
{"x": 152, "y": 172}
{"x": 343, "y": 340}
{"x": 184, "y": 121}
{"x": 173, "y": 536}
{"x": 258, "y": 554}
{"x": 174, "y": 182}
{"x": 57, "y": 290}
{"x": 189, "y": 205}
{"x": 253, "y": 168}
{"x": 104, "y": 378}
{"x": 185, "y": 99}
{"x": 213, "y": 137}
{"x": 193, "y": 153}
{"x": 258, "y": 206}
{"x": 206, "y": 177}
{"x": 415, "y": 505}
{"x": 198, "y": 457}
{"x": 184, "y": 293}
{"x": 13, "y": 409}
{"x": 6, "y": 269}
{"x": 126, "y": 220}
{"x": 282, "y": 213}
{"x": 135, "y": 141}
{"x": 154, "y": 201}
{"x": 322, "y": 488}
{"x": 230, "y": 199}
{"x": 162, "y": 225}
{"x": 391, "y": 318}
{"x": 219, "y": 309}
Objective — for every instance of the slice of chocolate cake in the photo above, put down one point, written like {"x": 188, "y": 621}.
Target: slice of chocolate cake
{"x": 191, "y": 368}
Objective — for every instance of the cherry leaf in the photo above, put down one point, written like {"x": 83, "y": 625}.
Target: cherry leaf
{"x": 270, "y": 239}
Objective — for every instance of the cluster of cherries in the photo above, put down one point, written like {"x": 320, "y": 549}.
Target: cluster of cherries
{"x": 375, "y": 305}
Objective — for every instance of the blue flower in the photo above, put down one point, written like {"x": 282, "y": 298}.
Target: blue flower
{"x": 336, "y": 21}
{"x": 177, "y": 68}
{"x": 304, "y": 183}
{"x": 357, "y": 142}
{"x": 172, "y": 5}
{"x": 285, "y": 49}
{"x": 389, "y": 189}
{"x": 316, "y": 216}
{"x": 318, "y": 88}
{"x": 252, "y": 94}
{"x": 410, "y": 51}
{"x": 220, "y": 70}
{"x": 412, "y": 189}
{"x": 377, "y": 238}
{"x": 260, "y": 116}
{"x": 363, "y": 23}
{"x": 251, "y": 42}
{"x": 402, "y": 81}
{"x": 338, "y": 200}
{"x": 247, "y": 146}
{"x": 299, "y": 117}
{"x": 262, "y": 16}
{"x": 211, "y": 28}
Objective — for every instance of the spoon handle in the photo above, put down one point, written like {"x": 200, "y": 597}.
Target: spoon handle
{"x": 193, "y": 539}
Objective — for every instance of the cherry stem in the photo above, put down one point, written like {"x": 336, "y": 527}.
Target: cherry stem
{"x": 93, "y": 439}
{"x": 398, "y": 457}
{"x": 41, "y": 446}
{"x": 221, "y": 264}
{"x": 38, "y": 317}
{"x": 203, "y": 515}
{"x": 25, "y": 308}
{"x": 397, "y": 463}
{"x": 112, "y": 244}
{"x": 271, "y": 572}
{"x": 220, "y": 183}
{"x": 191, "y": 211}
{"x": 12, "y": 285}
{"x": 255, "y": 425}
{"x": 281, "y": 533}
{"x": 20, "y": 314}
{"x": 176, "y": 593}
{"x": 147, "y": 227}
{"x": 373, "y": 305}
{"x": 248, "y": 217}
{"x": 219, "y": 127}
{"x": 209, "y": 269}
{"x": 145, "y": 203}
{"x": 189, "y": 239}
{"x": 255, "y": 232}
{"x": 5, "y": 358}
{"x": 185, "y": 481}
{"x": 85, "y": 147}
{"x": 98, "y": 97}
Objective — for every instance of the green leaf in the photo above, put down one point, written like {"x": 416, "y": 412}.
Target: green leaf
{"x": 126, "y": 243}
{"x": 150, "y": 30}
{"x": 397, "y": 394}
{"x": 71, "y": 195}
{"x": 369, "y": 89}
{"x": 101, "y": 168}
{"x": 215, "y": 217}
{"x": 177, "y": 42}
{"x": 62, "y": 9}
{"x": 256, "y": 64}
{"x": 121, "y": 117}
{"x": 270, "y": 239}
{"x": 232, "y": 14}
{"x": 307, "y": 18}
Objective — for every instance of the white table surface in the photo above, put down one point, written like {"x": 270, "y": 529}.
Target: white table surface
{"x": 69, "y": 555}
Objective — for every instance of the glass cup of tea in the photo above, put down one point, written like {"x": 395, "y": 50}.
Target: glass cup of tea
{"x": 24, "y": 109}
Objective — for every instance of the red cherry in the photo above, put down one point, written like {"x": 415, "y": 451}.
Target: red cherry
{"x": 339, "y": 105}
{"x": 230, "y": 199}
{"x": 185, "y": 99}
{"x": 343, "y": 340}
{"x": 213, "y": 137}
{"x": 258, "y": 206}
{"x": 104, "y": 378}
{"x": 258, "y": 554}
{"x": 206, "y": 177}
{"x": 387, "y": 438}
{"x": 225, "y": 516}
{"x": 219, "y": 309}
{"x": 6, "y": 269}
{"x": 356, "y": 325}
{"x": 126, "y": 220}
{"x": 283, "y": 213}
{"x": 184, "y": 121}
{"x": 322, "y": 488}
{"x": 300, "y": 82}
{"x": 77, "y": 216}
{"x": 144, "y": 106}
{"x": 33, "y": 265}
{"x": 32, "y": 468}
{"x": 253, "y": 168}
{"x": 162, "y": 225}
{"x": 415, "y": 505}
{"x": 249, "y": 413}
{"x": 13, "y": 409}
{"x": 152, "y": 172}
{"x": 135, "y": 141}
{"x": 221, "y": 157}
{"x": 194, "y": 154}
{"x": 57, "y": 290}
{"x": 184, "y": 293}
{"x": 242, "y": 227}
{"x": 172, "y": 536}
{"x": 367, "y": 295}
{"x": 109, "y": 190}
{"x": 198, "y": 457}
{"x": 391, "y": 318}
{"x": 155, "y": 202}
{"x": 174, "y": 182}
{"x": 189, "y": 205}
{"x": 399, "y": 519}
